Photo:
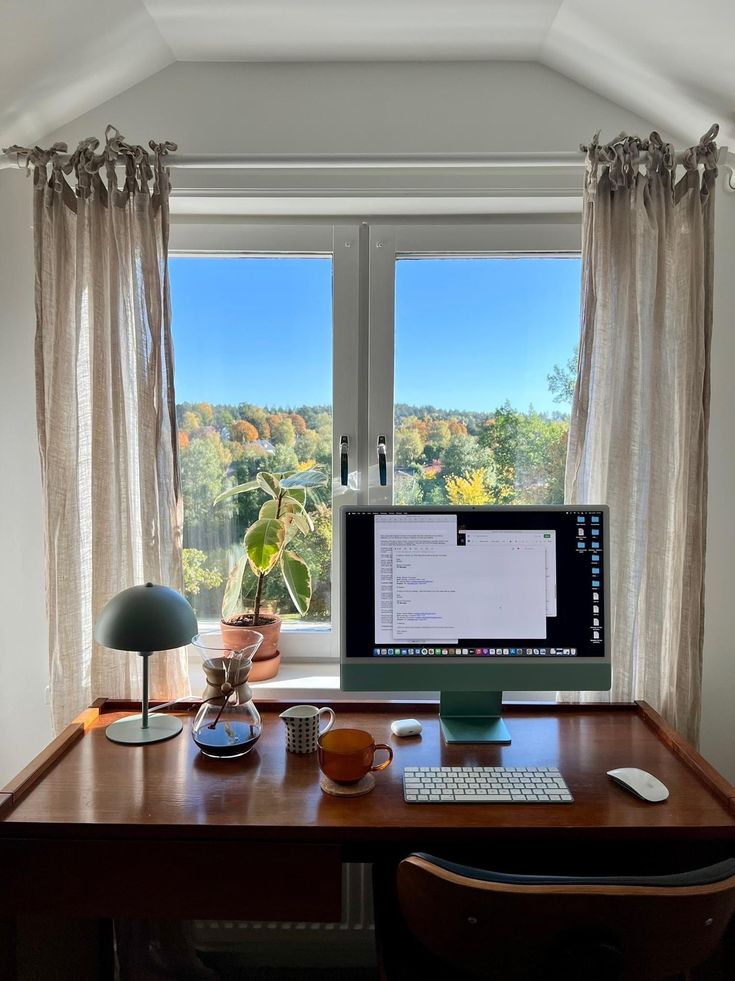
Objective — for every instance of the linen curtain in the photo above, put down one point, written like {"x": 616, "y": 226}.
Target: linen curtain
{"x": 105, "y": 407}
{"x": 638, "y": 432}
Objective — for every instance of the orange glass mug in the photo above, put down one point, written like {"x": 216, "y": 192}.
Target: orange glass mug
{"x": 346, "y": 755}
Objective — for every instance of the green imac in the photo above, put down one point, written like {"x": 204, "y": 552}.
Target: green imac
{"x": 471, "y": 601}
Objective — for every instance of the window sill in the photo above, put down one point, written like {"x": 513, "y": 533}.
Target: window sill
{"x": 309, "y": 681}
{"x": 318, "y": 680}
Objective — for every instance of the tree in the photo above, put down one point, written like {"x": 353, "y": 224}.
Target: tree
{"x": 439, "y": 434}
{"x": 500, "y": 436}
{"x": 307, "y": 445}
{"x": 205, "y": 412}
{"x": 243, "y": 431}
{"x": 203, "y": 476}
{"x": 563, "y": 379}
{"x": 464, "y": 453}
{"x": 257, "y": 416}
{"x": 282, "y": 430}
{"x": 457, "y": 427}
{"x": 470, "y": 489}
{"x": 299, "y": 423}
{"x": 409, "y": 447}
{"x": 197, "y": 574}
{"x": 190, "y": 422}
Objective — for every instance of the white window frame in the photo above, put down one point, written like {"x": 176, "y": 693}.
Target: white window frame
{"x": 543, "y": 236}
{"x": 364, "y": 254}
{"x": 341, "y": 242}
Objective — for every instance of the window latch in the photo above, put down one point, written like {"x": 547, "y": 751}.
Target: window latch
{"x": 344, "y": 459}
{"x": 382, "y": 468}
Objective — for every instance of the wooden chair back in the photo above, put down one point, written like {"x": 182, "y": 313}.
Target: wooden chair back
{"x": 524, "y": 927}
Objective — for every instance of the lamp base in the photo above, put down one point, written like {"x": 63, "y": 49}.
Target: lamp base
{"x": 131, "y": 732}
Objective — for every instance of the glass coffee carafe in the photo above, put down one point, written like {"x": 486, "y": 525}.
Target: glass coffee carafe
{"x": 228, "y": 724}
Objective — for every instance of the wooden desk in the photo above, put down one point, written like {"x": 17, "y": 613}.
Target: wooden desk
{"x": 93, "y": 828}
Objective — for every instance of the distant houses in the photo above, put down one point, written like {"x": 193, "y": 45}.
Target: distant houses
{"x": 263, "y": 444}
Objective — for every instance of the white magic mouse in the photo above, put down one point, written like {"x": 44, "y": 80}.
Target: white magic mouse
{"x": 406, "y": 727}
{"x": 640, "y": 783}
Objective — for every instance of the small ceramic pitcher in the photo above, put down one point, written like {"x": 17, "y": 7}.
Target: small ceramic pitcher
{"x": 302, "y": 727}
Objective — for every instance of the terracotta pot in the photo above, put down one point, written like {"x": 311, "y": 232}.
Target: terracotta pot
{"x": 270, "y": 629}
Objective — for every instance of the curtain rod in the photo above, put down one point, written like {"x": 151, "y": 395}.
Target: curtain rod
{"x": 573, "y": 160}
{"x": 368, "y": 161}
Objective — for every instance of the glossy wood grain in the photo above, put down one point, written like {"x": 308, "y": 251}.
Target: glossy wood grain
{"x": 169, "y": 790}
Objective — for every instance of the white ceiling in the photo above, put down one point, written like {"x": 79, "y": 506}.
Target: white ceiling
{"x": 668, "y": 60}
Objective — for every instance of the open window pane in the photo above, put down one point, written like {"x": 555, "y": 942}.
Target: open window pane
{"x": 253, "y": 341}
{"x": 485, "y": 364}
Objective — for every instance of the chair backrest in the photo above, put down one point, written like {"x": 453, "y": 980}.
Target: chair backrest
{"x": 495, "y": 925}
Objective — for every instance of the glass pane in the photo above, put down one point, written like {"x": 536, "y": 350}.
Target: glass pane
{"x": 486, "y": 359}
{"x": 253, "y": 343}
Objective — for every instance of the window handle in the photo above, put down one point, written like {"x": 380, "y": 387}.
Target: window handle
{"x": 344, "y": 459}
{"x": 382, "y": 469}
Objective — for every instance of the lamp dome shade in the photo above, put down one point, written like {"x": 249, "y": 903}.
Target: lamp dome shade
{"x": 146, "y": 618}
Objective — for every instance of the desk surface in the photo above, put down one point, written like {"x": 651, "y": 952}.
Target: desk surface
{"x": 84, "y": 785}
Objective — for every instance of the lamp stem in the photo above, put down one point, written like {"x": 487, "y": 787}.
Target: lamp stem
{"x": 145, "y": 655}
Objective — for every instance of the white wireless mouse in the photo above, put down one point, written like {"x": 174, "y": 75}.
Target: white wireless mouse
{"x": 640, "y": 783}
{"x": 406, "y": 727}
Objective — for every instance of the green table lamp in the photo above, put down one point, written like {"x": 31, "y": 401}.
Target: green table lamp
{"x": 145, "y": 619}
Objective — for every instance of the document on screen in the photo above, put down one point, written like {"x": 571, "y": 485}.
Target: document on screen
{"x": 425, "y": 535}
{"x": 492, "y": 538}
{"x": 480, "y": 593}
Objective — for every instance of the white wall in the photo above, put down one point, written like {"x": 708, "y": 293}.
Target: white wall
{"x": 25, "y": 726}
{"x": 718, "y": 703}
{"x": 323, "y": 108}
{"x": 311, "y": 108}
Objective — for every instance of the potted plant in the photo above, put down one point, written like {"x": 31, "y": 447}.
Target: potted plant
{"x": 268, "y": 545}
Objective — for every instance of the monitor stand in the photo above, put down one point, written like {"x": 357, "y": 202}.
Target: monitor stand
{"x": 472, "y": 717}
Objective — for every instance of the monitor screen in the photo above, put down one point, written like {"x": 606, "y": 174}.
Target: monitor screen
{"x": 453, "y": 586}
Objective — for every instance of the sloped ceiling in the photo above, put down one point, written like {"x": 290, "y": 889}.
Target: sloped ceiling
{"x": 667, "y": 60}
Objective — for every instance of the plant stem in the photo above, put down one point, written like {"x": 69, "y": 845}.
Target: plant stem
{"x": 256, "y": 603}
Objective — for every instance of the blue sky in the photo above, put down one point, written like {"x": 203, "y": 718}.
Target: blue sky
{"x": 470, "y": 333}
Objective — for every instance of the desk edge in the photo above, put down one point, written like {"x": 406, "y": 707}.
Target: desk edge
{"x": 681, "y": 748}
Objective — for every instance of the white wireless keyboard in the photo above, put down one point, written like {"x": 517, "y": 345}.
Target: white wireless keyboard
{"x": 484, "y": 785}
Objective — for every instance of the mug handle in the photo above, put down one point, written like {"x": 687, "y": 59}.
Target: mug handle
{"x": 385, "y": 763}
{"x": 331, "y": 722}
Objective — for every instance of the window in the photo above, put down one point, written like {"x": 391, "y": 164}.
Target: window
{"x": 484, "y": 363}
{"x": 455, "y": 344}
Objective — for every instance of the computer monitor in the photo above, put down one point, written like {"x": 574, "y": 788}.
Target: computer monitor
{"x": 469, "y": 601}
